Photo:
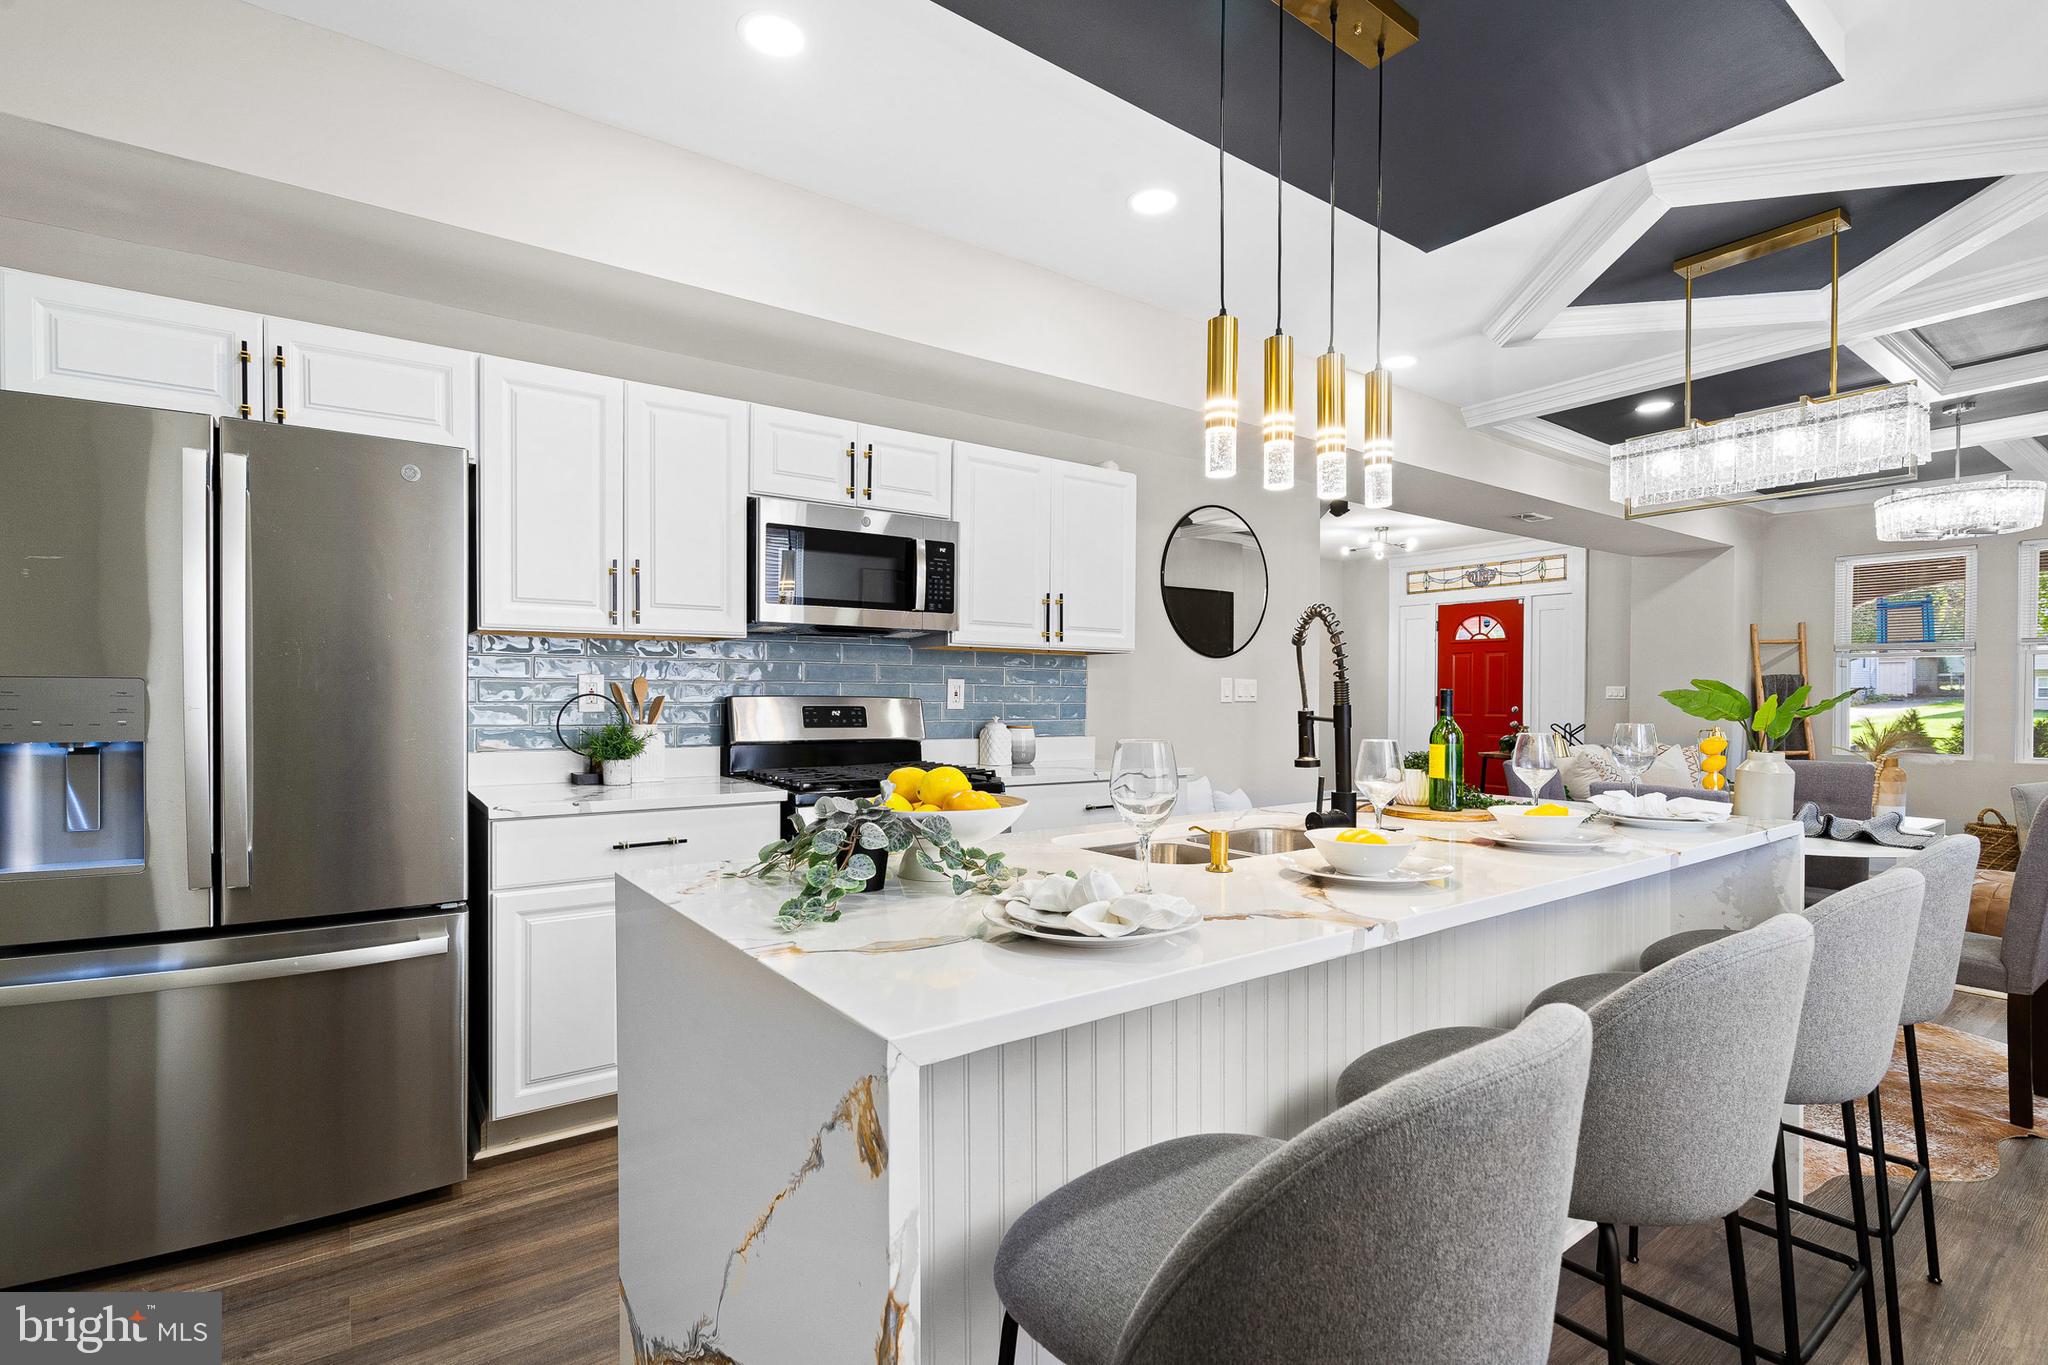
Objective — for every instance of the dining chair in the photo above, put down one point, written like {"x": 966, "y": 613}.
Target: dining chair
{"x": 2017, "y": 965}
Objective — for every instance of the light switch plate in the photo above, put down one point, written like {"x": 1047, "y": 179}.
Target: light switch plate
{"x": 956, "y": 694}
{"x": 590, "y": 682}
{"x": 1616, "y": 692}
{"x": 1229, "y": 690}
{"x": 1247, "y": 689}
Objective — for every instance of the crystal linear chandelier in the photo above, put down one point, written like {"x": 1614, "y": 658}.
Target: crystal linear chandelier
{"x": 1956, "y": 510}
{"x": 1876, "y": 435}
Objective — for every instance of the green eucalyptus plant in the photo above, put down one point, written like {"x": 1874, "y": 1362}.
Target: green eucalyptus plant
{"x": 848, "y": 843}
{"x": 612, "y": 743}
{"x": 1771, "y": 720}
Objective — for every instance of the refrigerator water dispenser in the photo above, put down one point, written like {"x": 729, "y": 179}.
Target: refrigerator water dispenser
{"x": 71, "y": 776}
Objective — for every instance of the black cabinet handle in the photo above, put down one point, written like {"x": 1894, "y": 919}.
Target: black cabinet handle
{"x": 1045, "y": 633}
{"x": 1061, "y": 603}
{"x": 1103, "y": 805}
{"x": 871, "y": 472}
{"x": 669, "y": 842}
{"x": 243, "y": 409}
{"x": 278, "y": 412}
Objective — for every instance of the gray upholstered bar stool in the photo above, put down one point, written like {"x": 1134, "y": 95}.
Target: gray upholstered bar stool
{"x": 1865, "y": 939}
{"x": 1419, "y": 1225}
{"x": 1689, "y": 1069}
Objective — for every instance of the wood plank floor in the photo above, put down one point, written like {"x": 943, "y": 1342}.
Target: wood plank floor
{"x": 520, "y": 1264}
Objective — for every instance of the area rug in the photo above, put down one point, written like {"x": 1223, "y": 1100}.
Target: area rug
{"x": 1962, "y": 1078}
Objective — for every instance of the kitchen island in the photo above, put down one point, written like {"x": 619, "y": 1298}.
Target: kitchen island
{"x": 824, "y": 1134}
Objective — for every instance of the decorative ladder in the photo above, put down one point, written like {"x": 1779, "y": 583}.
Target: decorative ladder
{"x": 1757, "y": 645}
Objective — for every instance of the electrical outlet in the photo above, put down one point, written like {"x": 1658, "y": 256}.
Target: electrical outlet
{"x": 956, "y": 694}
{"x": 590, "y": 683}
{"x": 1229, "y": 690}
{"x": 1247, "y": 689}
{"x": 1616, "y": 692}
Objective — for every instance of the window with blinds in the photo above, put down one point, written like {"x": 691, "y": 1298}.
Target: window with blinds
{"x": 1907, "y": 602}
{"x": 2033, "y": 596}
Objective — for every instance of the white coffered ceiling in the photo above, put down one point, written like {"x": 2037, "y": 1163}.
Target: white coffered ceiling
{"x": 904, "y": 108}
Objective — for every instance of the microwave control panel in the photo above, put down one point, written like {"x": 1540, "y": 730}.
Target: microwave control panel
{"x": 938, "y": 575}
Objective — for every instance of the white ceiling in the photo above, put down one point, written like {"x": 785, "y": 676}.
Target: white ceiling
{"x": 1356, "y": 528}
{"x": 903, "y": 108}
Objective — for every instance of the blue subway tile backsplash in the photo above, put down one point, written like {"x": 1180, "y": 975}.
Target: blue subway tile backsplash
{"x": 518, "y": 682}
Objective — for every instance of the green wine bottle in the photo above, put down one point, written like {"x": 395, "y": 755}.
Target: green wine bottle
{"x": 1446, "y": 756}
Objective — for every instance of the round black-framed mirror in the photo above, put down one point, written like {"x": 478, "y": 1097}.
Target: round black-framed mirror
{"x": 1213, "y": 580}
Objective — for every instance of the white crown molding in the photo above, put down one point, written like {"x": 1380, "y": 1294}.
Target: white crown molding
{"x": 1821, "y": 21}
{"x": 1920, "y": 361}
{"x": 2024, "y": 457}
{"x": 1950, "y": 147}
{"x": 1623, "y": 210}
{"x": 1941, "y": 300}
{"x": 1992, "y": 375}
{"x": 2019, "y": 427}
{"x": 1963, "y": 231}
{"x": 1668, "y": 315}
{"x": 1879, "y": 355}
{"x": 1548, "y": 438}
{"x": 1733, "y": 353}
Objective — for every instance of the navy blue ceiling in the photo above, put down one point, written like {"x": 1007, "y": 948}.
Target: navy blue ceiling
{"x": 2001, "y": 403}
{"x": 1877, "y": 218}
{"x": 1502, "y": 107}
{"x": 1716, "y": 396}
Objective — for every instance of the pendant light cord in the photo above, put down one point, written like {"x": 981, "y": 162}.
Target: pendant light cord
{"x": 1379, "y": 196}
{"x": 1333, "y": 178}
{"x": 1280, "y": 175}
{"x": 1222, "y": 221}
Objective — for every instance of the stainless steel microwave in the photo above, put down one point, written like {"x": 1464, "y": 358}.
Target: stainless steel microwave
{"x": 828, "y": 567}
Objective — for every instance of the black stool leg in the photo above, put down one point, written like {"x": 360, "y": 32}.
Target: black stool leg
{"x": 1788, "y": 1288}
{"x": 1738, "y": 1277}
{"x": 1006, "y": 1353}
{"x": 1633, "y": 1246}
{"x": 1920, "y": 1150}
{"x": 1862, "y": 1218}
{"x": 1884, "y": 1228}
{"x": 1610, "y": 1281}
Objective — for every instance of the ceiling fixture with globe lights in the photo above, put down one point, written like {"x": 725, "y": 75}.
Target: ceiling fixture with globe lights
{"x": 1874, "y": 436}
{"x": 1955, "y": 510}
{"x": 1379, "y": 545}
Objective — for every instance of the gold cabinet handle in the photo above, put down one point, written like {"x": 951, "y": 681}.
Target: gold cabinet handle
{"x": 614, "y": 572}
{"x": 852, "y": 459}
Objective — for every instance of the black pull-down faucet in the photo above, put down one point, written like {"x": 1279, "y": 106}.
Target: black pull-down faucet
{"x": 1343, "y": 806}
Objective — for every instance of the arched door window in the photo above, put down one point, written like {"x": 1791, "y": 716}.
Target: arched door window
{"x": 1480, "y": 628}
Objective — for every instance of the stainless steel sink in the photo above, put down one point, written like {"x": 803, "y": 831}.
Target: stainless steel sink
{"x": 1164, "y": 851}
{"x": 1265, "y": 839}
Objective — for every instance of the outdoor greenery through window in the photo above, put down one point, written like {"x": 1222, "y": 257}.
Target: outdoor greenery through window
{"x": 2033, "y": 670}
{"x": 1905, "y": 631}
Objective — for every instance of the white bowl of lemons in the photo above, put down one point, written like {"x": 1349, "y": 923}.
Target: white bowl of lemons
{"x": 1363, "y": 852}
{"x": 1538, "y": 821}
{"x": 976, "y": 816}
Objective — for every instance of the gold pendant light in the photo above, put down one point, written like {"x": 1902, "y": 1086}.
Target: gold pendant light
{"x": 1378, "y": 488}
{"x": 1219, "y": 411}
{"x": 1330, "y": 471}
{"x": 1277, "y": 433}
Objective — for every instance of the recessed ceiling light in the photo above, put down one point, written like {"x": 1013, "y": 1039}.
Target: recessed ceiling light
{"x": 1650, "y": 407}
{"x": 1398, "y": 362}
{"x": 1155, "y": 201}
{"x": 772, "y": 34}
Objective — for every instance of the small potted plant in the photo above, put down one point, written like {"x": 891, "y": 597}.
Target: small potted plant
{"x": 845, "y": 850}
{"x": 1763, "y": 782}
{"x": 1904, "y": 734}
{"x": 611, "y": 750}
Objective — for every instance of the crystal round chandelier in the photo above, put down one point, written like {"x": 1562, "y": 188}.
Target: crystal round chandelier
{"x": 1956, "y": 510}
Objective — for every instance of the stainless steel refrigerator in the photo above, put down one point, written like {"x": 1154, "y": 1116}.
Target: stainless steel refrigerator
{"x": 232, "y": 933}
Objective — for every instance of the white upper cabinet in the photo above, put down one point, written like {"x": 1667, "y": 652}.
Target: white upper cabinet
{"x": 549, "y": 500}
{"x": 799, "y": 455}
{"x": 88, "y": 341}
{"x": 824, "y": 459}
{"x": 367, "y": 384}
{"x": 1004, "y": 504}
{"x": 901, "y": 471}
{"x": 686, "y": 512}
{"x": 1094, "y": 558}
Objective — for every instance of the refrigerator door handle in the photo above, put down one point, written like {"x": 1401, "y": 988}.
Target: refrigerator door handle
{"x": 234, "y": 670}
{"x": 433, "y": 943}
{"x": 196, "y": 589}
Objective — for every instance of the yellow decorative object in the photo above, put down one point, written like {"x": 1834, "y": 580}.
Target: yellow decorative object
{"x": 1548, "y": 808}
{"x": 1713, "y": 746}
{"x": 895, "y": 801}
{"x": 970, "y": 800}
{"x": 907, "y": 782}
{"x": 940, "y": 783}
{"x": 924, "y": 806}
{"x": 1360, "y": 836}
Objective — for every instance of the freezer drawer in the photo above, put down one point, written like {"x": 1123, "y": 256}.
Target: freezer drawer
{"x": 163, "y": 1096}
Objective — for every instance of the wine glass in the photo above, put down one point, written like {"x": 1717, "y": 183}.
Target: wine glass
{"x": 1144, "y": 783}
{"x": 1378, "y": 774}
{"x": 1537, "y": 756}
{"x": 1635, "y": 748}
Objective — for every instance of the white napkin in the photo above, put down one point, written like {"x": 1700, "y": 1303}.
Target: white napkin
{"x": 1658, "y": 806}
{"x": 1093, "y": 903}
{"x": 1234, "y": 799}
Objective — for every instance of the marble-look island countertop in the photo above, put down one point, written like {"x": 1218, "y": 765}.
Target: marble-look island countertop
{"x": 926, "y": 973}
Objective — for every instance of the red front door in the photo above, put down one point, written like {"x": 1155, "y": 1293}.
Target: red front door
{"x": 1479, "y": 657}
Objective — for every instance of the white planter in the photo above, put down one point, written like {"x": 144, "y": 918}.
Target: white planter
{"x": 1763, "y": 788}
{"x": 1414, "y": 787}
{"x": 652, "y": 765}
{"x": 618, "y": 772}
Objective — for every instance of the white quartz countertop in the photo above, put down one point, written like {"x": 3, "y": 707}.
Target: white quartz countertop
{"x": 526, "y": 800}
{"x": 926, "y": 972}
{"x": 1048, "y": 775}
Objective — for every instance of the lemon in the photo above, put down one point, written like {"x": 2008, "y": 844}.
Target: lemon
{"x": 907, "y": 781}
{"x": 1359, "y": 836}
{"x": 924, "y": 806}
{"x": 1548, "y": 808}
{"x": 895, "y": 801}
{"x": 1714, "y": 763}
{"x": 940, "y": 783}
{"x": 1714, "y": 744}
{"x": 970, "y": 800}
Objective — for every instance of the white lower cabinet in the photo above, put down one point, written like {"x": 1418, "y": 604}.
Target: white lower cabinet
{"x": 1065, "y": 805}
{"x": 552, "y": 994}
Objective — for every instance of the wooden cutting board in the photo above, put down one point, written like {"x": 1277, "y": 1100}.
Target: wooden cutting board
{"x": 1407, "y": 812}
